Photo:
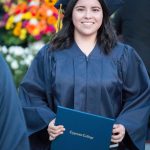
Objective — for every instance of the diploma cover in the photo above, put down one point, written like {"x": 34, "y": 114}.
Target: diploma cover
{"x": 84, "y": 131}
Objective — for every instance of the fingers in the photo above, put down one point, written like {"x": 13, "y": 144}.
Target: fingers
{"x": 118, "y": 133}
{"x": 51, "y": 138}
{"x": 54, "y": 131}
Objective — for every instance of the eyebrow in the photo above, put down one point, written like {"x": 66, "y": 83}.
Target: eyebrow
{"x": 92, "y": 7}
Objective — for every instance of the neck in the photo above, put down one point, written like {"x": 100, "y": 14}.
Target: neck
{"x": 85, "y": 43}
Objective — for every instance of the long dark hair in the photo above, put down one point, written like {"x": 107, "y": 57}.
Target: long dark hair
{"x": 106, "y": 36}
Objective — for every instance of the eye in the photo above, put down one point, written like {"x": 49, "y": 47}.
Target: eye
{"x": 96, "y": 9}
{"x": 80, "y": 9}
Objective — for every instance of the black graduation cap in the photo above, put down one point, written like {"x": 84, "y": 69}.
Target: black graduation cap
{"x": 63, "y": 2}
{"x": 112, "y": 5}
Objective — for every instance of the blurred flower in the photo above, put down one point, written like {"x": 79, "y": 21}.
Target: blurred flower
{"x": 4, "y": 49}
{"x": 33, "y": 18}
{"x": 9, "y": 58}
{"x": 14, "y": 65}
{"x": 20, "y": 58}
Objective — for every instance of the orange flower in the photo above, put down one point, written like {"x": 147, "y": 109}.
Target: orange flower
{"x": 33, "y": 10}
{"x": 51, "y": 2}
{"x": 33, "y": 29}
{"x": 42, "y": 12}
{"x": 51, "y": 20}
{"x": 42, "y": 25}
{"x": 54, "y": 9}
{"x": 21, "y": 8}
{"x": 30, "y": 28}
{"x": 17, "y": 29}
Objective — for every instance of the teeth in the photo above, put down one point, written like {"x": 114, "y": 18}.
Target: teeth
{"x": 87, "y": 22}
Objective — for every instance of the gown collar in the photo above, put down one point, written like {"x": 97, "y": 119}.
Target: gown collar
{"x": 77, "y": 52}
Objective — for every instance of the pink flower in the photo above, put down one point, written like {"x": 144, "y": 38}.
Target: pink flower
{"x": 24, "y": 24}
{"x": 38, "y": 37}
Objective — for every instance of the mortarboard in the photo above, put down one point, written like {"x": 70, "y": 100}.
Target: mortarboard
{"x": 63, "y": 2}
{"x": 112, "y": 5}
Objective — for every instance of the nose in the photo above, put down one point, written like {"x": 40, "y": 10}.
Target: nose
{"x": 88, "y": 14}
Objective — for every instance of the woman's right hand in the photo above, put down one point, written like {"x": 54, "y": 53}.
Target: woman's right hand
{"x": 54, "y": 131}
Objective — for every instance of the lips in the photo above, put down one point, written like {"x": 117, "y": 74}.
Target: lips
{"x": 87, "y": 23}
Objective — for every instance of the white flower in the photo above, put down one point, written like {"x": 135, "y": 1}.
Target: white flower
{"x": 14, "y": 65}
{"x": 34, "y": 3}
{"x": 18, "y": 18}
{"x": 36, "y": 46}
{"x": 27, "y": 51}
{"x": 33, "y": 21}
{"x": 29, "y": 59}
{"x": 16, "y": 50}
{"x": 9, "y": 58}
{"x": 49, "y": 13}
{"x": 4, "y": 49}
{"x": 18, "y": 56}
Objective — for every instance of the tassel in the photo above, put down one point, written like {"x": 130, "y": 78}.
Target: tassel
{"x": 59, "y": 21}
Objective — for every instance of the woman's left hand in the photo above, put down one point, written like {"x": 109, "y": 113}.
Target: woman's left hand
{"x": 118, "y": 133}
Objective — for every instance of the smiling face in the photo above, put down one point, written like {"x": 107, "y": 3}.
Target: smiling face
{"x": 87, "y": 17}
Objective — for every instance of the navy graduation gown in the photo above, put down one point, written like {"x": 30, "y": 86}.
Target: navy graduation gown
{"x": 114, "y": 85}
{"x": 13, "y": 132}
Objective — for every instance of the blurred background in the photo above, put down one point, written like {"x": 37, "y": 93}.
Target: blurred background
{"x": 25, "y": 26}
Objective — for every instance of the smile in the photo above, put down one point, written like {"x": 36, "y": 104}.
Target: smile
{"x": 88, "y": 23}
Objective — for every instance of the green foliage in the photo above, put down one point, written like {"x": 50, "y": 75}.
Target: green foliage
{"x": 7, "y": 39}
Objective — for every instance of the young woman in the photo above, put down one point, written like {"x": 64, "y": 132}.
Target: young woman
{"x": 85, "y": 68}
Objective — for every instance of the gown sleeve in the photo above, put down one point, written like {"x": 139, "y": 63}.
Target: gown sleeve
{"x": 136, "y": 99}
{"x": 13, "y": 132}
{"x": 35, "y": 93}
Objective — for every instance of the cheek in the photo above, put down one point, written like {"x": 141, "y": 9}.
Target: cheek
{"x": 74, "y": 21}
{"x": 74, "y": 18}
{"x": 100, "y": 20}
